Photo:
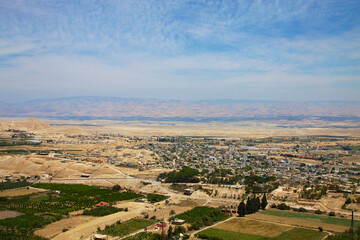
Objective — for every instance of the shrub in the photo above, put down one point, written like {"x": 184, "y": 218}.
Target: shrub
{"x": 283, "y": 206}
{"x": 318, "y": 212}
{"x": 332, "y": 214}
{"x": 302, "y": 209}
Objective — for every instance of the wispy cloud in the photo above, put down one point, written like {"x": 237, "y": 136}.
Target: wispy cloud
{"x": 231, "y": 49}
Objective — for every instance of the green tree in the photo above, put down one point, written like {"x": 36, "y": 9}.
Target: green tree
{"x": 241, "y": 209}
{"x": 170, "y": 231}
{"x": 116, "y": 188}
{"x": 257, "y": 204}
{"x": 264, "y": 202}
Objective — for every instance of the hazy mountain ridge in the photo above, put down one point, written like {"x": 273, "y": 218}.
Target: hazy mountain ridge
{"x": 158, "y": 109}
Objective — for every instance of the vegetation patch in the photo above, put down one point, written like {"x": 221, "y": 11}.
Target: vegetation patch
{"x": 102, "y": 211}
{"x": 155, "y": 197}
{"x": 26, "y": 224}
{"x": 202, "y": 216}
{"x": 185, "y": 175}
{"x": 40, "y": 199}
{"x": 310, "y": 217}
{"x": 123, "y": 229}
{"x": 11, "y": 185}
{"x": 219, "y": 234}
{"x": 64, "y": 199}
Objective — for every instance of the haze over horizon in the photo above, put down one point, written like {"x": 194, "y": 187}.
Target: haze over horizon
{"x": 186, "y": 50}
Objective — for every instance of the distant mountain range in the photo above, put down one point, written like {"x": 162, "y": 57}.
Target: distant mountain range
{"x": 134, "y": 109}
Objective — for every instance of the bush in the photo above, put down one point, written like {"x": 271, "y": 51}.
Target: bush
{"x": 318, "y": 212}
{"x": 302, "y": 209}
{"x": 332, "y": 214}
{"x": 273, "y": 205}
{"x": 116, "y": 188}
{"x": 283, "y": 206}
{"x": 155, "y": 197}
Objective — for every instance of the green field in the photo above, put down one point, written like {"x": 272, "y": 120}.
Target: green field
{"x": 293, "y": 234}
{"x": 102, "y": 211}
{"x": 300, "y": 234}
{"x": 155, "y": 197}
{"x": 202, "y": 216}
{"x": 310, "y": 217}
{"x": 71, "y": 198}
{"x": 10, "y": 185}
{"x": 39, "y": 199}
{"x": 227, "y": 235}
{"x": 123, "y": 229}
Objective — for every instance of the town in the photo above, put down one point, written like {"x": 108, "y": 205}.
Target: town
{"x": 169, "y": 175}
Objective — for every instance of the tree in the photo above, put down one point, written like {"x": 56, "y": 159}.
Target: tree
{"x": 248, "y": 206}
{"x": 258, "y": 204}
{"x": 116, "y": 188}
{"x": 264, "y": 202}
{"x": 241, "y": 209}
{"x": 172, "y": 212}
{"x": 170, "y": 231}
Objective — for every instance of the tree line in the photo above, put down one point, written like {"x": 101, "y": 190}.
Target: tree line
{"x": 252, "y": 205}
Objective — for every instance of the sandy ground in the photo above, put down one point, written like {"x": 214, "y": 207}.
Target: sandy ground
{"x": 9, "y": 214}
{"x": 55, "y": 228}
{"x": 20, "y": 192}
{"x": 234, "y": 129}
{"x": 90, "y": 227}
{"x": 298, "y": 222}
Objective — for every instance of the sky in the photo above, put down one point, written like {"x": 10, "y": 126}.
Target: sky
{"x": 188, "y": 50}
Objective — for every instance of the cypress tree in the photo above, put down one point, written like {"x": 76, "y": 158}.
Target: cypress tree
{"x": 241, "y": 209}
{"x": 264, "y": 202}
{"x": 257, "y": 204}
{"x": 248, "y": 206}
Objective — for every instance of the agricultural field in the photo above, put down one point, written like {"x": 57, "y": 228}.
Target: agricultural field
{"x": 227, "y": 235}
{"x": 311, "y": 217}
{"x": 202, "y": 216}
{"x": 11, "y": 185}
{"x": 102, "y": 211}
{"x": 123, "y": 229}
{"x": 300, "y": 234}
{"x": 144, "y": 236}
{"x": 68, "y": 198}
{"x": 257, "y": 231}
{"x": 42, "y": 208}
{"x": 20, "y": 191}
{"x": 24, "y": 225}
{"x": 249, "y": 226}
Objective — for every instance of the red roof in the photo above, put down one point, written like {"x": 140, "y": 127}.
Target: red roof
{"x": 100, "y": 204}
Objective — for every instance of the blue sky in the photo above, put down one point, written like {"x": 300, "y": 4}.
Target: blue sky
{"x": 272, "y": 50}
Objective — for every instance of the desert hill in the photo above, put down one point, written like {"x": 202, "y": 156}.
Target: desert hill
{"x": 30, "y": 124}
